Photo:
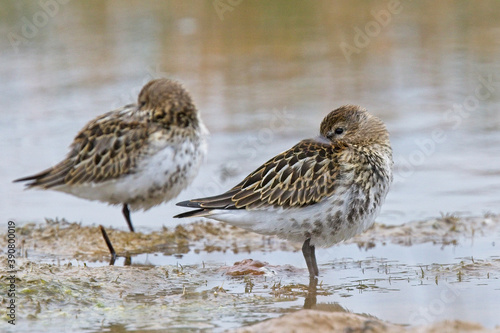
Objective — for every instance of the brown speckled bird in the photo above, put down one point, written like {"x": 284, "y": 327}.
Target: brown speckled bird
{"x": 320, "y": 192}
{"x": 138, "y": 156}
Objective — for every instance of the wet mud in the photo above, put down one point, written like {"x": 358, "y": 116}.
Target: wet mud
{"x": 64, "y": 280}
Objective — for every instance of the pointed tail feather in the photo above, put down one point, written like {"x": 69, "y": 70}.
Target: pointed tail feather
{"x": 33, "y": 177}
{"x": 48, "y": 178}
{"x": 34, "y": 180}
{"x": 194, "y": 213}
{"x": 206, "y": 205}
{"x": 221, "y": 201}
{"x": 188, "y": 203}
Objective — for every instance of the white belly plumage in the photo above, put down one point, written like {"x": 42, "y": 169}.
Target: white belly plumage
{"x": 158, "y": 177}
{"x": 325, "y": 223}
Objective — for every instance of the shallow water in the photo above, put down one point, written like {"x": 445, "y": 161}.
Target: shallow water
{"x": 264, "y": 75}
{"x": 415, "y": 284}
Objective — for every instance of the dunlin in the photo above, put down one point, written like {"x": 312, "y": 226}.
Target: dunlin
{"x": 138, "y": 156}
{"x": 319, "y": 192}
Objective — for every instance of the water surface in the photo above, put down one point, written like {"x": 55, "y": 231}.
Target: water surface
{"x": 263, "y": 75}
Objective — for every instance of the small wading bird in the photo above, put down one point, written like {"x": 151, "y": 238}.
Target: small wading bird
{"x": 138, "y": 156}
{"x": 319, "y": 192}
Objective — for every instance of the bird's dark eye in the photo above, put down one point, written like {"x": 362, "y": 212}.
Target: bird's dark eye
{"x": 339, "y": 130}
{"x": 141, "y": 104}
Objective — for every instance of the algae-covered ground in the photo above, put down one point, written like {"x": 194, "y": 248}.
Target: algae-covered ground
{"x": 214, "y": 277}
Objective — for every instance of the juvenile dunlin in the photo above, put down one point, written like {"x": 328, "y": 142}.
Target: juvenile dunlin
{"x": 320, "y": 192}
{"x": 138, "y": 156}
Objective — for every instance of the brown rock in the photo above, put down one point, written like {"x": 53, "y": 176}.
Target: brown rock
{"x": 305, "y": 321}
{"x": 246, "y": 267}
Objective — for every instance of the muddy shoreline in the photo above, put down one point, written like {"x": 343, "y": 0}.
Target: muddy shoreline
{"x": 64, "y": 281}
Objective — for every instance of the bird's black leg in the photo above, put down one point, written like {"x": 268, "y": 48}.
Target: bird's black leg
{"x": 314, "y": 263}
{"x": 110, "y": 246}
{"x": 126, "y": 213}
{"x": 310, "y": 256}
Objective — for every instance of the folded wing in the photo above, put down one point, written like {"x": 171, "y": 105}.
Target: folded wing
{"x": 300, "y": 176}
{"x": 104, "y": 149}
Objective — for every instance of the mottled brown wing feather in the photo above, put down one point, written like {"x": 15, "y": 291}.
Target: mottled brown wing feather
{"x": 104, "y": 149}
{"x": 300, "y": 176}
